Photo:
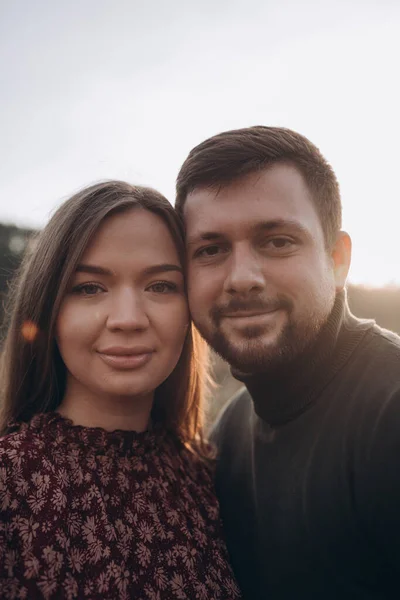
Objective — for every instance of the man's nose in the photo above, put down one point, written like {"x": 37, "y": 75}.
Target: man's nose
{"x": 127, "y": 311}
{"x": 245, "y": 272}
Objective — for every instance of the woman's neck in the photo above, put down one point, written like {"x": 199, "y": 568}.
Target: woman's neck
{"x": 129, "y": 414}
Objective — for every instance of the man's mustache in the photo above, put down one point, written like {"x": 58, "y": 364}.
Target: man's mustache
{"x": 255, "y": 304}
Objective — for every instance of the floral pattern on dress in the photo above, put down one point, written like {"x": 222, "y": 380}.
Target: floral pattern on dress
{"x": 86, "y": 513}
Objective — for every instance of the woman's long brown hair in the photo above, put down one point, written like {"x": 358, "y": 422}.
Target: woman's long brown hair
{"x": 33, "y": 374}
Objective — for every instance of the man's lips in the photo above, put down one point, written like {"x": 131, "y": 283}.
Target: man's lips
{"x": 244, "y": 318}
{"x": 248, "y": 313}
{"x": 124, "y": 358}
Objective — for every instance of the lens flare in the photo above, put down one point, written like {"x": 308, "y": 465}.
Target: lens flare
{"x": 29, "y": 331}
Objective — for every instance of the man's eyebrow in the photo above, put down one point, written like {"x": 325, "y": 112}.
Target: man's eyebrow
{"x": 260, "y": 226}
{"x": 152, "y": 270}
{"x": 282, "y": 224}
{"x": 207, "y": 236}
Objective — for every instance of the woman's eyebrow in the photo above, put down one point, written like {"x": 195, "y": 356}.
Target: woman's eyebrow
{"x": 94, "y": 269}
{"x": 152, "y": 270}
{"x": 162, "y": 268}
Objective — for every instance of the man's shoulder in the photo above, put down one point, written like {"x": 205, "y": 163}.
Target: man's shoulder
{"x": 380, "y": 351}
{"x": 386, "y": 338}
{"x": 370, "y": 384}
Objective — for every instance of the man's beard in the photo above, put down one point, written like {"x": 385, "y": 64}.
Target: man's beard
{"x": 252, "y": 354}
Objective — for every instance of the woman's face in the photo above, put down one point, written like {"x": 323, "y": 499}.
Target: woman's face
{"x": 123, "y": 321}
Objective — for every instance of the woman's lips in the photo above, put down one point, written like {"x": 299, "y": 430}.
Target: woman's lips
{"x": 126, "y": 359}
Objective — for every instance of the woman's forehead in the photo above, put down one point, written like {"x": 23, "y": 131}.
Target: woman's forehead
{"x": 136, "y": 235}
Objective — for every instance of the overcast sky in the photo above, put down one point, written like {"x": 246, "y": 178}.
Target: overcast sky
{"x": 96, "y": 89}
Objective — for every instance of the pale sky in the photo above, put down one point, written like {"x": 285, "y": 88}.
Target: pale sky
{"x": 96, "y": 89}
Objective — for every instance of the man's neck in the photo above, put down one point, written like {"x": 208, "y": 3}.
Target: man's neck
{"x": 287, "y": 392}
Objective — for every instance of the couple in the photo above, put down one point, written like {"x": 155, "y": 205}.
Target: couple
{"x": 106, "y": 481}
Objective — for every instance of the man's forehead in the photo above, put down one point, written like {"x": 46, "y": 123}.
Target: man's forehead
{"x": 280, "y": 181}
{"x": 275, "y": 197}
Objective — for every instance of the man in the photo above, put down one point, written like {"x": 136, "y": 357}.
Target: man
{"x": 309, "y": 452}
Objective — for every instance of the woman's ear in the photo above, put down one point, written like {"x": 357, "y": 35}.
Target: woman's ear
{"x": 341, "y": 256}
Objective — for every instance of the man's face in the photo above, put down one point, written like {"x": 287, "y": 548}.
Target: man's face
{"x": 261, "y": 282}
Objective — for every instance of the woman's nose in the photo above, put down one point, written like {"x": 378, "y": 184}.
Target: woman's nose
{"x": 127, "y": 311}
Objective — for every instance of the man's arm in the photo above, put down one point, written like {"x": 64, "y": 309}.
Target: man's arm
{"x": 377, "y": 484}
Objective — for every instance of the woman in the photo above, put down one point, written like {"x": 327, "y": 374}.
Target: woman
{"x": 105, "y": 490}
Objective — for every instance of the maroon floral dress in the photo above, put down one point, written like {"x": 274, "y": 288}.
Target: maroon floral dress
{"x": 86, "y": 513}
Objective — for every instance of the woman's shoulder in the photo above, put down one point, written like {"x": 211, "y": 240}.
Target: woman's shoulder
{"x": 20, "y": 447}
{"x": 21, "y": 461}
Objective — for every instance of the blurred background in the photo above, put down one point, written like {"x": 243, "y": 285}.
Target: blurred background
{"x": 98, "y": 89}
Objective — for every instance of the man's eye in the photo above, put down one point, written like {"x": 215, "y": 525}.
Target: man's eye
{"x": 162, "y": 287}
{"x": 208, "y": 251}
{"x": 279, "y": 243}
{"x": 87, "y": 289}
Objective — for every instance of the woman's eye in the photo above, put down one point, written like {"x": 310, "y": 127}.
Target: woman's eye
{"x": 87, "y": 289}
{"x": 163, "y": 287}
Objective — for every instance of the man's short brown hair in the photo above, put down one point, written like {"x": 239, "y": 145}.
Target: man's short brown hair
{"x": 231, "y": 155}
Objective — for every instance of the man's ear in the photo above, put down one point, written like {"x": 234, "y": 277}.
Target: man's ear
{"x": 341, "y": 256}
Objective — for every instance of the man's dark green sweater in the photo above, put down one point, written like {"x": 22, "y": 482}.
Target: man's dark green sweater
{"x": 308, "y": 473}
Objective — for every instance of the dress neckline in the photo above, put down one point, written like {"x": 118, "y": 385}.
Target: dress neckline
{"x": 63, "y": 431}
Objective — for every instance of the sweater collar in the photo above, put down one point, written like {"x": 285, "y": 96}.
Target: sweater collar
{"x": 281, "y": 397}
